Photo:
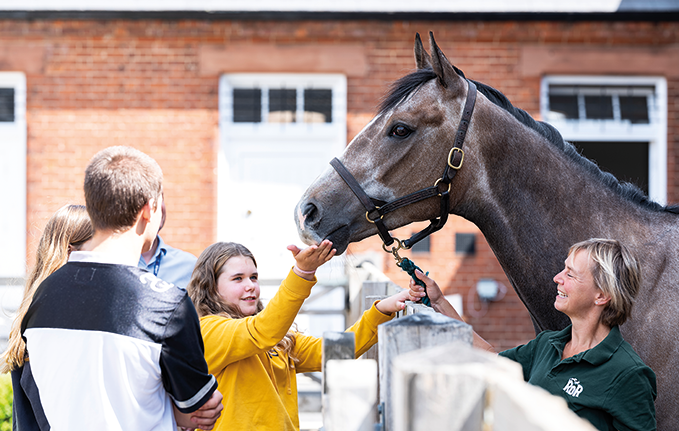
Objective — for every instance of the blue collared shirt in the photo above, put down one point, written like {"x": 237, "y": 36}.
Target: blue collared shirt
{"x": 170, "y": 264}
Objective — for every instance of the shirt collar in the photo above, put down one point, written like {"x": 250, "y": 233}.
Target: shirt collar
{"x": 162, "y": 248}
{"x": 598, "y": 354}
{"x": 99, "y": 257}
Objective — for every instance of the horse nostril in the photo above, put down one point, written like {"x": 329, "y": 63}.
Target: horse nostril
{"x": 309, "y": 211}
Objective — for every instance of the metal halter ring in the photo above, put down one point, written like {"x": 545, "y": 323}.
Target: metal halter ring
{"x": 450, "y": 185}
{"x": 371, "y": 220}
{"x": 451, "y": 155}
{"x": 395, "y": 248}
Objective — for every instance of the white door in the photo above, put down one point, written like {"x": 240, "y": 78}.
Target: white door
{"x": 278, "y": 133}
{"x": 12, "y": 176}
{"x": 13, "y": 197}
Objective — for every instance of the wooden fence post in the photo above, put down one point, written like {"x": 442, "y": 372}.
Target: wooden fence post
{"x": 337, "y": 345}
{"x": 458, "y": 388}
{"x": 351, "y": 395}
{"x": 410, "y": 333}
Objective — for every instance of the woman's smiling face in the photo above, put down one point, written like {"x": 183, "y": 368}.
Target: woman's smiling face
{"x": 576, "y": 291}
{"x": 238, "y": 284}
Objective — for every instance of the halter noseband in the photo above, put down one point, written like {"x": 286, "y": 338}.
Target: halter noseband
{"x": 376, "y": 209}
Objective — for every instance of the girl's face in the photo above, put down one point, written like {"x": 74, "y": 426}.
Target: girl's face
{"x": 238, "y": 286}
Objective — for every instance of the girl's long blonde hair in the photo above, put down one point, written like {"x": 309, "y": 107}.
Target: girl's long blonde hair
{"x": 66, "y": 230}
{"x": 206, "y": 298}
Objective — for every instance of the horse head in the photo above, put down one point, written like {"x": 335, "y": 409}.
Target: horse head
{"x": 531, "y": 194}
{"x": 391, "y": 157}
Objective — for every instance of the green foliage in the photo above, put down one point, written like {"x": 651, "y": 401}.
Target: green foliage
{"x": 5, "y": 402}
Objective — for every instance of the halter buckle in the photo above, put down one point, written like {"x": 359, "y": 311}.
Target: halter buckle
{"x": 451, "y": 156}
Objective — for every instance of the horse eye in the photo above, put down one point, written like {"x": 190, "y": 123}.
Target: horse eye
{"x": 400, "y": 131}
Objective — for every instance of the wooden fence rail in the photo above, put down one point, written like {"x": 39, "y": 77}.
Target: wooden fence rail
{"x": 430, "y": 378}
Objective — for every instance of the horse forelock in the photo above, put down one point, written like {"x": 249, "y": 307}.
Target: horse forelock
{"x": 403, "y": 87}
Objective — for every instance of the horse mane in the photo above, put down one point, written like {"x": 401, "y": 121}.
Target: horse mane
{"x": 406, "y": 85}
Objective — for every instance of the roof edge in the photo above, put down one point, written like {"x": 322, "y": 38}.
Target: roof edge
{"x": 178, "y": 15}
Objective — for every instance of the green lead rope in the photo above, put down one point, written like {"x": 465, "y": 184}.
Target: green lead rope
{"x": 409, "y": 266}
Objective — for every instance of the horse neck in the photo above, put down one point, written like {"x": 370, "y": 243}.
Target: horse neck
{"x": 532, "y": 202}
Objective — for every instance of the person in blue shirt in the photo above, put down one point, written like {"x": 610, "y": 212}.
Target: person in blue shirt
{"x": 168, "y": 263}
{"x": 588, "y": 363}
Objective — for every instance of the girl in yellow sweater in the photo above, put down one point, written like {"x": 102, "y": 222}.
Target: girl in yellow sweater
{"x": 250, "y": 349}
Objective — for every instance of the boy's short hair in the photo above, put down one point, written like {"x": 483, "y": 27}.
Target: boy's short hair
{"x": 119, "y": 181}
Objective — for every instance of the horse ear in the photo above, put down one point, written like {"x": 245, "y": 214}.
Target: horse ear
{"x": 421, "y": 57}
{"x": 443, "y": 68}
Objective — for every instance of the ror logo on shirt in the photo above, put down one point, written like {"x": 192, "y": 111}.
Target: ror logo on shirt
{"x": 573, "y": 387}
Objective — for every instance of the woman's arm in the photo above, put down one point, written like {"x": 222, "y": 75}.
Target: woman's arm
{"x": 631, "y": 402}
{"x": 441, "y": 305}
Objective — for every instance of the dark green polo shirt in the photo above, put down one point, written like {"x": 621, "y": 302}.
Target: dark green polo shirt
{"x": 609, "y": 385}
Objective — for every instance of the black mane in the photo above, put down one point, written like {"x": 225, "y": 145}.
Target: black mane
{"x": 406, "y": 85}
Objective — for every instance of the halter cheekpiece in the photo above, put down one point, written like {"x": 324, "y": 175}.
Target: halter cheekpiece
{"x": 377, "y": 209}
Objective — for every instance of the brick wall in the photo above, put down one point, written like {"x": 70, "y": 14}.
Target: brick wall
{"x": 92, "y": 84}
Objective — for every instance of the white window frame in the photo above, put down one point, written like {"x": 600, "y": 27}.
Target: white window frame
{"x": 297, "y": 138}
{"x": 291, "y": 131}
{"x": 13, "y": 178}
{"x": 301, "y": 138}
{"x": 655, "y": 132}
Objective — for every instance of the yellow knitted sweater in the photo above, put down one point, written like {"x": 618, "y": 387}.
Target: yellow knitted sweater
{"x": 259, "y": 384}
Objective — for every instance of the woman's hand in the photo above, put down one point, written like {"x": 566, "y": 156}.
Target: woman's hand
{"x": 438, "y": 301}
{"x": 433, "y": 291}
{"x": 394, "y": 303}
{"x": 310, "y": 258}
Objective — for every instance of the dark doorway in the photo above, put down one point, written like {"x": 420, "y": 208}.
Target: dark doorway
{"x": 628, "y": 161}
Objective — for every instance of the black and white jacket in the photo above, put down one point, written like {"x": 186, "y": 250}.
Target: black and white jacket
{"x": 111, "y": 347}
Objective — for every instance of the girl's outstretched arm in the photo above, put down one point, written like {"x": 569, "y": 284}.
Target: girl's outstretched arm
{"x": 309, "y": 259}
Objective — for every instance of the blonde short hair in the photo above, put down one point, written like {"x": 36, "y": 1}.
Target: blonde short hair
{"x": 617, "y": 272}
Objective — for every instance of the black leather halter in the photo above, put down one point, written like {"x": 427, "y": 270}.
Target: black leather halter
{"x": 376, "y": 209}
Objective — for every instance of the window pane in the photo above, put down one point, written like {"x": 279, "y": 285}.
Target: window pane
{"x": 7, "y": 105}
{"x": 599, "y": 107}
{"x": 564, "y": 105}
{"x": 634, "y": 109}
{"x": 282, "y": 106}
{"x": 247, "y": 105}
{"x": 465, "y": 243}
{"x": 317, "y": 106}
{"x": 423, "y": 246}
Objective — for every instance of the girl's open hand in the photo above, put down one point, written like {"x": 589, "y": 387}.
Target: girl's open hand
{"x": 394, "y": 303}
{"x": 310, "y": 258}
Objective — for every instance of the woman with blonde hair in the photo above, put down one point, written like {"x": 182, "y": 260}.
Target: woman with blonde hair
{"x": 64, "y": 232}
{"x": 588, "y": 363}
{"x": 250, "y": 349}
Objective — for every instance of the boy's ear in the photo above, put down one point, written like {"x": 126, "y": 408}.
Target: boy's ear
{"x": 147, "y": 210}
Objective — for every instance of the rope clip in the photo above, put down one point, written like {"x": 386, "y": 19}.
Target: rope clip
{"x": 394, "y": 250}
